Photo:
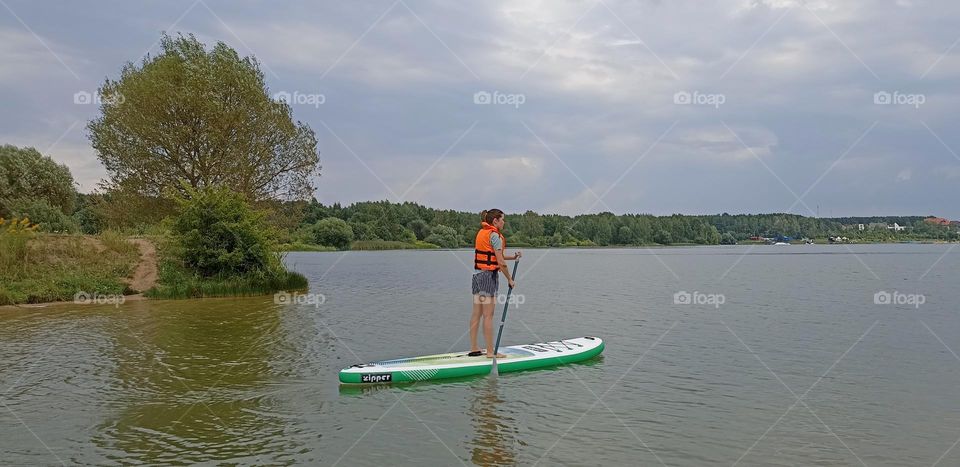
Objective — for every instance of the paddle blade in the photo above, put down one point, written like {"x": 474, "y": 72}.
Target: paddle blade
{"x": 493, "y": 368}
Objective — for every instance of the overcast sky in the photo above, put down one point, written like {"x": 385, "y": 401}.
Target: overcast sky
{"x": 739, "y": 106}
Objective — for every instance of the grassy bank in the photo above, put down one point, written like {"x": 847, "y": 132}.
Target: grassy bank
{"x": 360, "y": 245}
{"x": 36, "y": 267}
{"x": 298, "y": 246}
{"x": 373, "y": 245}
{"x": 178, "y": 282}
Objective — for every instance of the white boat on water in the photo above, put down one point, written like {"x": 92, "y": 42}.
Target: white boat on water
{"x": 781, "y": 243}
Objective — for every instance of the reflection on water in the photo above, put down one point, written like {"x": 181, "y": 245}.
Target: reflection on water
{"x": 495, "y": 437}
{"x": 188, "y": 376}
{"x": 156, "y": 381}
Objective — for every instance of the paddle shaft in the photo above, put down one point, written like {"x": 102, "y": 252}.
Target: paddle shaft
{"x": 503, "y": 318}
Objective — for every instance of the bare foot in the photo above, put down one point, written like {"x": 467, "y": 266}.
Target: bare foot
{"x": 499, "y": 355}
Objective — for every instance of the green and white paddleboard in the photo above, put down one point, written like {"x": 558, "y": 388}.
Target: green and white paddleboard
{"x": 453, "y": 365}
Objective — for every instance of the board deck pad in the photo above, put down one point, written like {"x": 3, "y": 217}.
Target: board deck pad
{"x": 458, "y": 364}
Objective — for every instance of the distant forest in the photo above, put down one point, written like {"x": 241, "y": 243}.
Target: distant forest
{"x": 388, "y": 225}
{"x": 412, "y": 223}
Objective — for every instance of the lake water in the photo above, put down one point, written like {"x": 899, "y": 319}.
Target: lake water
{"x": 783, "y": 357}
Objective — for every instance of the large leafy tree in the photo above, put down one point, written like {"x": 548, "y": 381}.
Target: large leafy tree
{"x": 203, "y": 117}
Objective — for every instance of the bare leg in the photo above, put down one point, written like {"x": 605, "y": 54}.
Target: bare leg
{"x": 475, "y": 322}
{"x": 488, "y": 327}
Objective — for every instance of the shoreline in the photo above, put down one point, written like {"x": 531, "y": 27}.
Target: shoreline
{"x": 28, "y": 306}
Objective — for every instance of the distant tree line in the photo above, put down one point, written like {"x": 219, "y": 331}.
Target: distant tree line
{"x": 33, "y": 185}
{"x": 337, "y": 225}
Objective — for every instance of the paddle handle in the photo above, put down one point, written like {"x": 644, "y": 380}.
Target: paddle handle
{"x": 503, "y": 317}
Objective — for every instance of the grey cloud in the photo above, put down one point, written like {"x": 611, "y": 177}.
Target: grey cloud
{"x": 798, "y": 84}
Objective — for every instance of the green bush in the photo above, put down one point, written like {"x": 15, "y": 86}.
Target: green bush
{"x": 219, "y": 234}
{"x": 445, "y": 237}
{"x": 333, "y": 232}
{"x": 406, "y": 235}
{"x": 663, "y": 237}
{"x": 363, "y": 231}
{"x": 88, "y": 220}
{"x": 50, "y": 218}
{"x": 177, "y": 282}
{"x": 25, "y": 174}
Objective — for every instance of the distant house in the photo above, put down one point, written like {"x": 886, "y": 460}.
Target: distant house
{"x": 937, "y": 221}
{"x": 875, "y": 226}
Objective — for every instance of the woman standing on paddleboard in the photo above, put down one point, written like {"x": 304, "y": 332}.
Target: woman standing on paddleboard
{"x": 489, "y": 261}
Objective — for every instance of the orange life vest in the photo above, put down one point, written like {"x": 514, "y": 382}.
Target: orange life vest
{"x": 484, "y": 258}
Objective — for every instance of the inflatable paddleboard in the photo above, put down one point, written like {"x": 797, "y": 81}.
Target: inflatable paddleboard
{"x": 453, "y": 365}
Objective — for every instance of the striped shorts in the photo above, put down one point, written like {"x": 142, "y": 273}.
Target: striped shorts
{"x": 486, "y": 283}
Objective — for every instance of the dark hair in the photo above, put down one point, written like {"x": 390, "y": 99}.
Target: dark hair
{"x": 489, "y": 215}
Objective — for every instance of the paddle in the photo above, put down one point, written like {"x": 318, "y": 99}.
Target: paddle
{"x": 503, "y": 319}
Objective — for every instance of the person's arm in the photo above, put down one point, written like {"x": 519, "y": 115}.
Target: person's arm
{"x": 516, "y": 255}
{"x": 504, "y": 268}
